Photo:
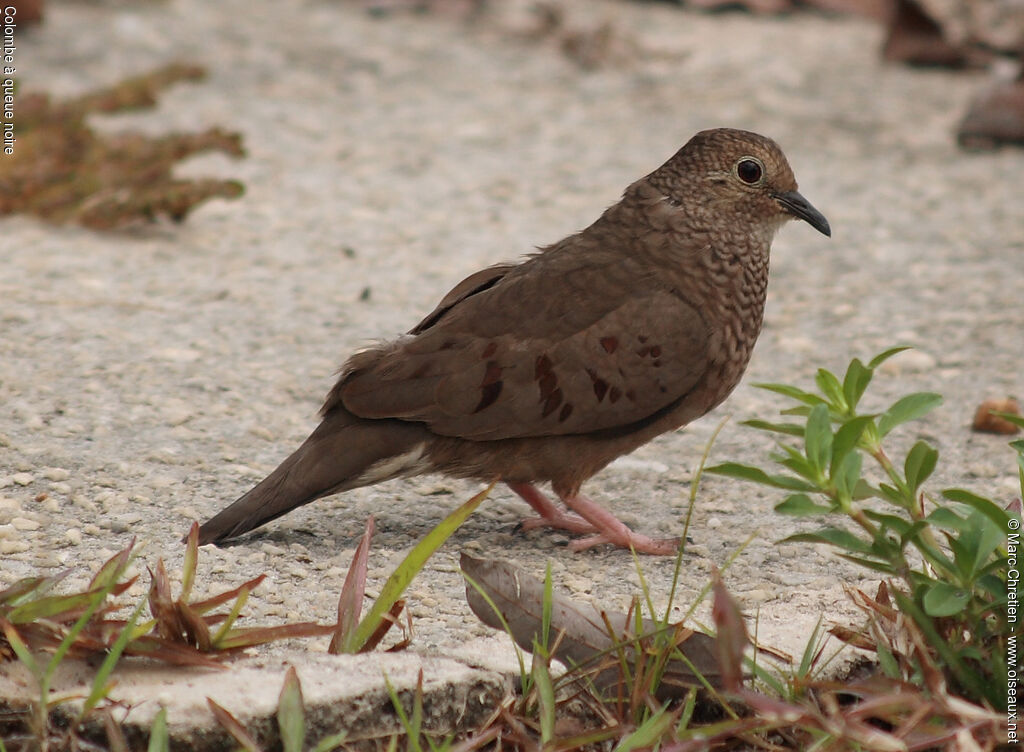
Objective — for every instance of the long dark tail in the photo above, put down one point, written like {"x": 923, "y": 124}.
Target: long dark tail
{"x": 334, "y": 458}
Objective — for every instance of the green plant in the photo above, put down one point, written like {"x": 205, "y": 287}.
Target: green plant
{"x": 946, "y": 555}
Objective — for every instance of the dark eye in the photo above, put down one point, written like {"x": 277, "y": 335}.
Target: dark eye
{"x": 749, "y": 170}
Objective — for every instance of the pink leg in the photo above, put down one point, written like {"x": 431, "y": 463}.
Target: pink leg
{"x": 550, "y": 515}
{"x": 592, "y": 518}
{"x": 612, "y": 530}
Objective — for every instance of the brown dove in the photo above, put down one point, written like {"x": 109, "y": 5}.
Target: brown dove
{"x": 547, "y": 370}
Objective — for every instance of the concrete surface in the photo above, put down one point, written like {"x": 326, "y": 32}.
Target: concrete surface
{"x": 150, "y": 376}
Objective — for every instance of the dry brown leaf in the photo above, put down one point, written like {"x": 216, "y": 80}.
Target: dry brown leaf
{"x": 579, "y": 630}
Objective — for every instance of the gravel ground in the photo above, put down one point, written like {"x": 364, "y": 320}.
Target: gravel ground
{"x": 150, "y": 376}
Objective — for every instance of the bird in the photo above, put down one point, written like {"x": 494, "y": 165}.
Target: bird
{"x": 546, "y": 370}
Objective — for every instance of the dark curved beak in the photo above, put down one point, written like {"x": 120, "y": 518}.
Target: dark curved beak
{"x": 795, "y": 204}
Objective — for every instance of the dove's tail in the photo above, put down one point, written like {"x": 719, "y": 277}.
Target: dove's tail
{"x": 343, "y": 452}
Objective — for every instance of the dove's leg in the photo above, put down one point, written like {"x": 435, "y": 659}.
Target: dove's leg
{"x": 612, "y": 530}
{"x": 550, "y": 515}
{"x": 592, "y": 518}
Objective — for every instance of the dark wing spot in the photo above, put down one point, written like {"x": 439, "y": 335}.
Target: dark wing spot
{"x": 643, "y": 352}
{"x": 656, "y": 351}
{"x": 657, "y": 364}
{"x": 642, "y": 339}
{"x": 547, "y": 385}
{"x": 614, "y": 394}
{"x": 609, "y": 344}
{"x": 492, "y": 374}
{"x": 631, "y": 395}
{"x": 488, "y": 394}
{"x": 489, "y": 350}
{"x": 542, "y": 367}
{"x": 564, "y": 414}
{"x": 600, "y": 385}
{"x": 551, "y": 403}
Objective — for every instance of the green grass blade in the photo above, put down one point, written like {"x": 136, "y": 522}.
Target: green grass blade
{"x": 291, "y": 714}
{"x": 545, "y": 696}
{"x": 159, "y": 740}
{"x": 99, "y": 683}
{"x": 410, "y": 567}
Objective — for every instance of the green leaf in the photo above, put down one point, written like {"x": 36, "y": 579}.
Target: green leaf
{"x": 890, "y": 522}
{"x": 793, "y": 392}
{"x": 855, "y": 382}
{"x": 1017, "y": 420}
{"x": 332, "y": 742}
{"x": 919, "y": 465}
{"x": 818, "y": 438}
{"x": 100, "y": 687}
{"x": 757, "y": 475}
{"x": 412, "y": 564}
{"x": 291, "y": 714}
{"x": 946, "y": 518}
{"x": 846, "y": 439}
{"x": 650, "y": 733}
{"x": 834, "y": 536}
{"x": 981, "y": 538}
{"x": 890, "y": 494}
{"x": 790, "y": 429}
{"x": 801, "y": 505}
{"x": 159, "y": 740}
{"x": 884, "y": 356}
{"x": 832, "y": 389}
{"x": 987, "y": 507}
{"x": 545, "y": 695}
{"x": 847, "y": 478}
{"x": 873, "y": 564}
{"x": 906, "y": 409}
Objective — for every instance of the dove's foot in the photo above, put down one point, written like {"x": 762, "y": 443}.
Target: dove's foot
{"x": 591, "y": 518}
{"x": 550, "y": 515}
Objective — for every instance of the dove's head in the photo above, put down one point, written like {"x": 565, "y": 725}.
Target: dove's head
{"x": 735, "y": 179}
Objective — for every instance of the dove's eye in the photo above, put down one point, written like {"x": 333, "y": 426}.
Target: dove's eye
{"x": 749, "y": 170}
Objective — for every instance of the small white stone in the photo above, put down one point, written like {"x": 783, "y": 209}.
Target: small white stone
{"x": 713, "y": 522}
{"x": 8, "y": 546}
{"x": 7, "y": 504}
{"x": 73, "y": 536}
{"x": 56, "y": 473}
{"x": 23, "y": 479}
{"x": 24, "y": 524}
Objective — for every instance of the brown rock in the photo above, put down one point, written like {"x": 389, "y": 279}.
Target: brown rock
{"x": 547, "y": 370}
{"x": 986, "y": 422}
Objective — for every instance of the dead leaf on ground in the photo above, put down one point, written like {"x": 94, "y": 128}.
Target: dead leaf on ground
{"x": 581, "y": 634}
{"x": 64, "y": 171}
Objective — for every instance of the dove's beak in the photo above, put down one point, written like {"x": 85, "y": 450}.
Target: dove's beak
{"x": 795, "y": 204}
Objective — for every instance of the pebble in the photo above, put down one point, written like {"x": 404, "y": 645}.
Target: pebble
{"x": 909, "y": 361}
{"x": 8, "y": 546}
{"x": 73, "y": 536}
{"x": 56, "y": 473}
{"x": 7, "y": 504}
{"x": 24, "y": 524}
{"x": 23, "y": 479}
